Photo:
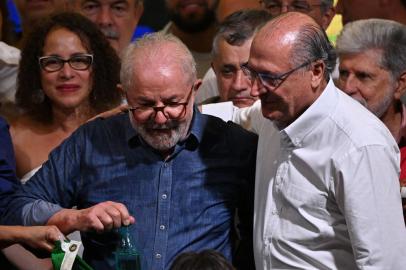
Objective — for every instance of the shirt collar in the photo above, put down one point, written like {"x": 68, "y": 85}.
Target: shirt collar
{"x": 192, "y": 141}
{"x": 313, "y": 116}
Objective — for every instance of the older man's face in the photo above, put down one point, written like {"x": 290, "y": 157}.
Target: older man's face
{"x": 233, "y": 84}
{"x": 365, "y": 80}
{"x": 31, "y": 11}
{"x": 116, "y": 18}
{"x": 286, "y": 89}
{"x": 164, "y": 87}
{"x": 192, "y": 16}
{"x": 313, "y": 8}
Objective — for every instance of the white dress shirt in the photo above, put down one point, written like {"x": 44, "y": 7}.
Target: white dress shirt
{"x": 327, "y": 189}
{"x": 9, "y": 58}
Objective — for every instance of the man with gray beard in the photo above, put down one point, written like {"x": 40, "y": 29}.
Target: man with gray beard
{"x": 181, "y": 174}
{"x": 373, "y": 71}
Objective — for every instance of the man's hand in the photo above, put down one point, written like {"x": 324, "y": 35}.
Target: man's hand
{"x": 101, "y": 217}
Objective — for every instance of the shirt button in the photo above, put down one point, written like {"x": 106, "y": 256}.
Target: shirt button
{"x": 165, "y": 165}
{"x": 274, "y": 212}
{"x": 164, "y": 196}
{"x": 158, "y": 256}
{"x": 162, "y": 227}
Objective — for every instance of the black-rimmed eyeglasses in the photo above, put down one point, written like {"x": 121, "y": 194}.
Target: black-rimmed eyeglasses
{"x": 54, "y": 63}
{"x": 173, "y": 111}
{"x": 271, "y": 81}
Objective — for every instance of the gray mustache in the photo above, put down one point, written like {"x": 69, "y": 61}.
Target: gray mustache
{"x": 110, "y": 33}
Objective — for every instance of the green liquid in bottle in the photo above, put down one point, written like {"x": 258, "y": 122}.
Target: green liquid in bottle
{"x": 127, "y": 256}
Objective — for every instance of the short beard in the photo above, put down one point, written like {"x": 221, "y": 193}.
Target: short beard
{"x": 164, "y": 141}
{"x": 191, "y": 24}
{"x": 383, "y": 106}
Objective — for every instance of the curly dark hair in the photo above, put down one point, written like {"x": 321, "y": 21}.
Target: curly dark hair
{"x": 106, "y": 66}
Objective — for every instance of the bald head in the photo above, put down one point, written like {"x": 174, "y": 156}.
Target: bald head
{"x": 300, "y": 37}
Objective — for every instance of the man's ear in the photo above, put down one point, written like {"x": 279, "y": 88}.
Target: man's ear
{"x": 400, "y": 86}
{"x": 317, "y": 73}
{"x": 328, "y": 17}
{"x": 120, "y": 89}
{"x": 197, "y": 85}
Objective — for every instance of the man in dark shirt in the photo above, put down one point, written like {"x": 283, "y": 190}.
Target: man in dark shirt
{"x": 181, "y": 174}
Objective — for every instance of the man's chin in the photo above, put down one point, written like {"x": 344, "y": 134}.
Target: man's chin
{"x": 243, "y": 102}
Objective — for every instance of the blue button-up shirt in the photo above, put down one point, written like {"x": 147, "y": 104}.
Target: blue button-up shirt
{"x": 186, "y": 202}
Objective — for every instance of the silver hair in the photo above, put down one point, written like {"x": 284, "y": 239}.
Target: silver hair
{"x": 385, "y": 35}
{"x": 239, "y": 27}
{"x": 313, "y": 44}
{"x": 153, "y": 44}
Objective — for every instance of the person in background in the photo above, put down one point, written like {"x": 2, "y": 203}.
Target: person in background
{"x": 116, "y": 19}
{"x": 68, "y": 73}
{"x": 31, "y": 12}
{"x": 194, "y": 22}
{"x": 9, "y": 57}
{"x": 227, "y": 7}
{"x": 322, "y": 11}
{"x": 327, "y": 186}
{"x": 231, "y": 48}
{"x": 203, "y": 260}
{"x": 352, "y": 10}
{"x": 182, "y": 175}
{"x": 373, "y": 71}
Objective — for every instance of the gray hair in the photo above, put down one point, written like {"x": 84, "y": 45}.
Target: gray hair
{"x": 239, "y": 27}
{"x": 313, "y": 44}
{"x": 153, "y": 44}
{"x": 385, "y": 35}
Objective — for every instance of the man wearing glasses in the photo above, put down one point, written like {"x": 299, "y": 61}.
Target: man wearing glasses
{"x": 180, "y": 174}
{"x": 322, "y": 11}
{"x": 327, "y": 190}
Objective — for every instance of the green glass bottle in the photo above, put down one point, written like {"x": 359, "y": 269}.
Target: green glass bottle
{"x": 127, "y": 256}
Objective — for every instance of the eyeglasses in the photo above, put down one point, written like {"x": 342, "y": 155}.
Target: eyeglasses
{"x": 275, "y": 7}
{"x": 55, "y": 63}
{"x": 268, "y": 80}
{"x": 172, "y": 111}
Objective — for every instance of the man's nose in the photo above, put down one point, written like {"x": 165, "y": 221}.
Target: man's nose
{"x": 160, "y": 118}
{"x": 349, "y": 84}
{"x": 104, "y": 17}
{"x": 257, "y": 88}
{"x": 240, "y": 82}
